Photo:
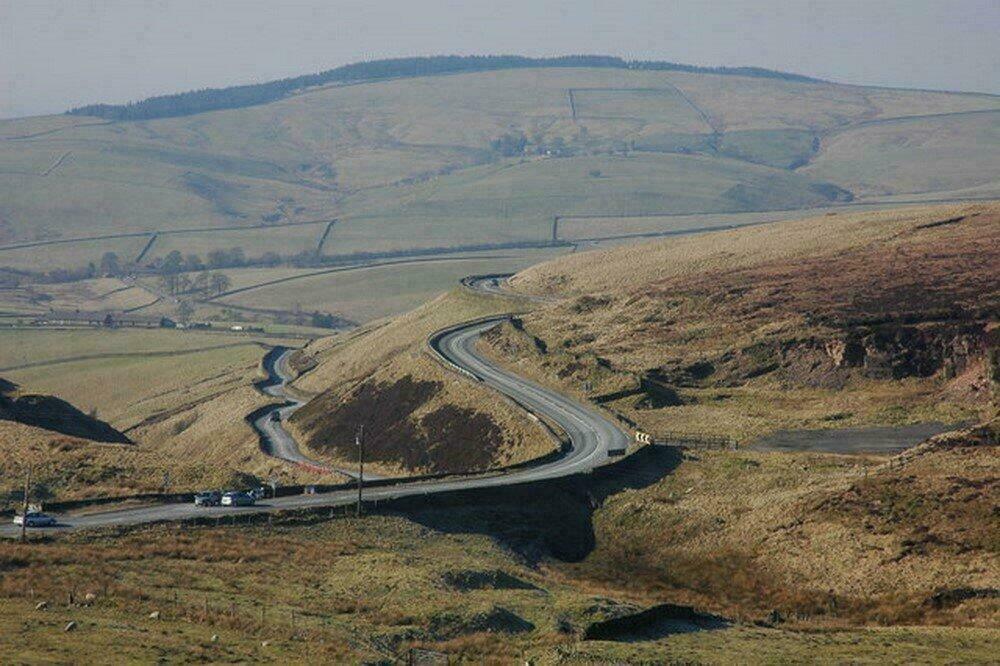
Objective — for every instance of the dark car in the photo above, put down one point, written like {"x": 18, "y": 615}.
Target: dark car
{"x": 35, "y": 519}
{"x": 238, "y": 499}
{"x": 210, "y": 498}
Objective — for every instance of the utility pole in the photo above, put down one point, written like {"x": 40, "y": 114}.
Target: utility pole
{"x": 24, "y": 509}
{"x": 360, "y": 440}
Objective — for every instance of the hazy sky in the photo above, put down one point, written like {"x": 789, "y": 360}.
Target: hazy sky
{"x": 54, "y": 55}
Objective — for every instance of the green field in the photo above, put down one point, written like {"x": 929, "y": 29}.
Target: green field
{"x": 363, "y": 294}
{"x": 123, "y": 374}
{"x": 74, "y": 254}
{"x": 87, "y": 295}
{"x": 37, "y": 346}
{"x": 516, "y": 201}
{"x": 254, "y": 242}
{"x": 915, "y": 155}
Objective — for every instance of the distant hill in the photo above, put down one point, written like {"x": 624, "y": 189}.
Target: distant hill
{"x": 502, "y": 153}
{"x": 232, "y": 97}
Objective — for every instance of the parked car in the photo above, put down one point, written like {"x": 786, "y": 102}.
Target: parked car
{"x": 35, "y": 519}
{"x": 238, "y": 499}
{"x": 209, "y": 498}
{"x": 259, "y": 493}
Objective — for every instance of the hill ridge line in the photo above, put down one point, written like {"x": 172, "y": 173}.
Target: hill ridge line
{"x": 253, "y": 94}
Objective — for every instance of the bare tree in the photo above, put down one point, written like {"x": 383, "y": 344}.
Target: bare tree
{"x": 219, "y": 282}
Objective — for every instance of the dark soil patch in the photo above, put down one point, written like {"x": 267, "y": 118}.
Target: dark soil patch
{"x": 460, "y": 439}
{"x": 653, "y": 623}
{"x": 485, "y": 580}
{"x": 954, "y": 597}
{"x": 448, "y": 439}
{"x": 496, "y": 620}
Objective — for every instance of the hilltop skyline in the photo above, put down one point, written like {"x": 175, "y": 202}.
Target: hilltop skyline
{"x": 137, "y": 50}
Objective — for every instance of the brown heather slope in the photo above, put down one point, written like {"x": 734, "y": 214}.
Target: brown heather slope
{"x": 418, "y": 416}
{"x": 834, "y": 321}
{"x": 813, "y": 539}
{"x": 315, "y": 590}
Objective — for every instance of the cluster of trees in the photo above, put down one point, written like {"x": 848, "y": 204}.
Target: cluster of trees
{"x": 174, "y": 268}
{"x": 211, "y": 99}
{"x": 510, "y": 144}
{"x": 204, "y": 283}
{"x": 325, "y": 320}
{"x": 175, "y": 262}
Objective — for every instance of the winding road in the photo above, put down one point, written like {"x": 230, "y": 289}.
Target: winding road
{"x": 275, "y": 440}
{"x": 592, "y": 438}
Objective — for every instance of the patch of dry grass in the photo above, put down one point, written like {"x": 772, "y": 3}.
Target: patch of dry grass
{"x": 818, "y": 538}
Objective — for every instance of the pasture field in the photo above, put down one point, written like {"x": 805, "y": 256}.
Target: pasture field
{"x": 113, "y": 190}
{"x": 125, "y": 375}
{"x": 665, "y": 109}
{"x": 242, "y": 278}
{"x": 118, "y": 388}
{"x": 737, "y": 103}
{"x": 287, "y": 240}
{"x": 87, "y": 295}
{"x": 914, "y": 155}
{"x": 516, "y": 201}
{"x": 359, "y": 292}
{"x": 366, "y": 293}
{"x": 70, "y": 255}
{"x": 784, "y": 149}
{"x": 45, "y": 345}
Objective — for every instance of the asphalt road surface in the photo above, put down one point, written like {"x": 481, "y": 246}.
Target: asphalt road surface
{"x": 592, "y": 437}
{"x": 278, "y": 442}
{"x": 499, "y": 285}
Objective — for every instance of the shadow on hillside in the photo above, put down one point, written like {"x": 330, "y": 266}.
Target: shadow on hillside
{"x": 543, "y": 518}
{"x": 51, "y": 413}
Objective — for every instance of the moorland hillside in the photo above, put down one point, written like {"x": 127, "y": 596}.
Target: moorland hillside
{"x": 828, "y": 322}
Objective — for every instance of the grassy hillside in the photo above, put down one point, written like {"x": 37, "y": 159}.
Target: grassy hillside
{"x": 876, "y": 318}
{"x": 929, "y": 154}
{"x": 348, "y": 590}
{"x": 406, "y": 159}
{"x": 826, "y": 540}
